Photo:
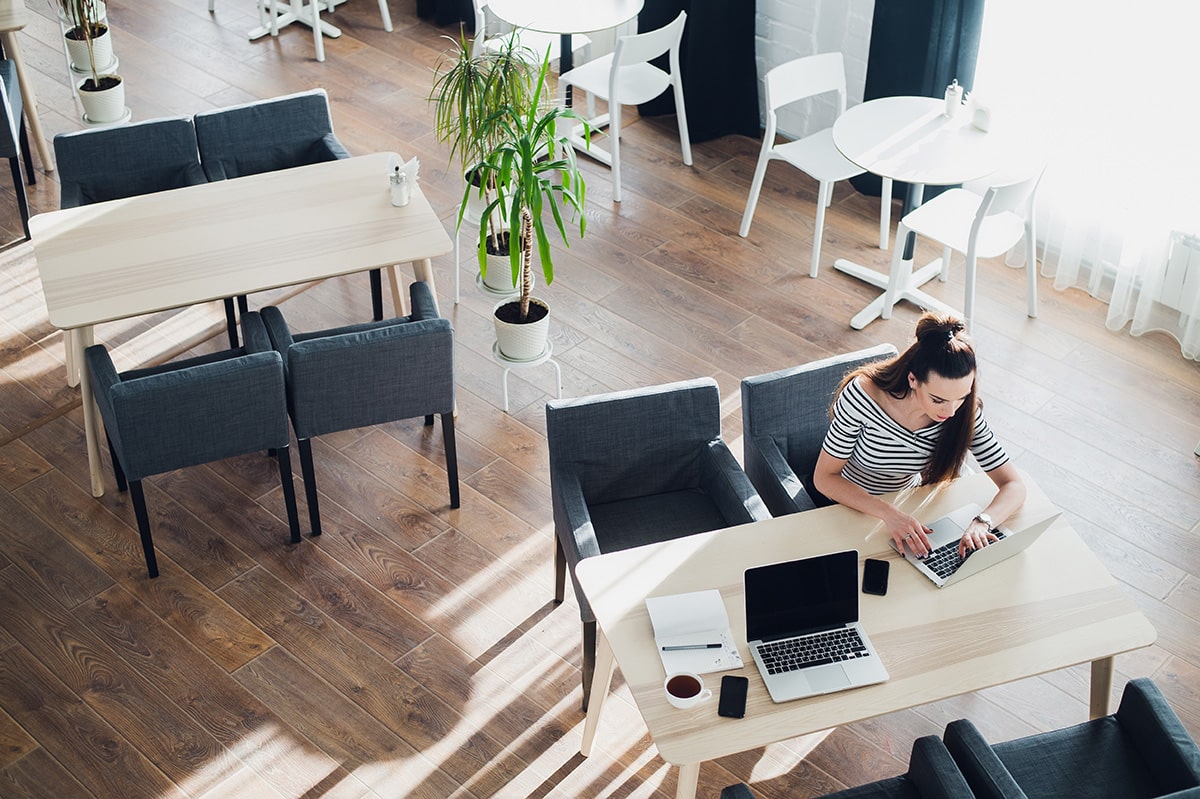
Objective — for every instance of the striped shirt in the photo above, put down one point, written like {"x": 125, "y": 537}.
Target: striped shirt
{"x": 882, "y": 455}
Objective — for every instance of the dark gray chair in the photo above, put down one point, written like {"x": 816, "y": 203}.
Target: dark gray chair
{"x": 931, "y": 775}
{"x": 194, "y": 411}
{"x": 1141, "y": 751}
{"x": 14, "y": 141}
{"x": 638, "y": 467}
{"x": 368, "y": 374}
{"x": 785, "y": 416}
{"x": 268, "y": 135}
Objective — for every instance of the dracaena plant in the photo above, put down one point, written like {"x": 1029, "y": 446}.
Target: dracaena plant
{"x": 84, "y": 25}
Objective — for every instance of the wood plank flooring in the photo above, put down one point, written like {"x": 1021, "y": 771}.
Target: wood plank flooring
{"x": 412, "y": 650}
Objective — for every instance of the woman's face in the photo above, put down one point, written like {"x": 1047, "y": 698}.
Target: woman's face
{"x": 941, "y": 397}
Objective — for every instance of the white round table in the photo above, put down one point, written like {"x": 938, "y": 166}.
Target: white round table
{"x": 910, "y": 139}
{"x": 566, "y": 17}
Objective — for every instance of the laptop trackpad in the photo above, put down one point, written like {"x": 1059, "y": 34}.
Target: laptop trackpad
{"x": 827, "y": 679}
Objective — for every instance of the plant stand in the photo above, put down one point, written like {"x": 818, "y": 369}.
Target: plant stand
{"x": 510, "y": 364}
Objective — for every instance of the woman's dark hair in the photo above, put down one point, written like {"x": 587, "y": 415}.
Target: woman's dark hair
{"x": 944, "y": 348}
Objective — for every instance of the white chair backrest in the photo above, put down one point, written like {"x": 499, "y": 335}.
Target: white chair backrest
{"x": 642, "y": 47}
{"x": 1010, "y": 195}
{"x": 806, "y": 77}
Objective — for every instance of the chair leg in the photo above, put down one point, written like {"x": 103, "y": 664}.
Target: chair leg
{"x": 376, "y": 276}
{"x": 283, "y": 455}
{"x": 1031, "y": 269}
{"x": 969, "y": 295}
{"x": 824, "y": 194}
{"x": 560, "y": 572}
{"x": 589, "y": 660}
{"x": 23, "y": 140}
{"x": 681, "y": 115}
{"x": 614, "y": 135}
{"x": 118, "y": 472}
{"x": 898, "y": 264}
{"x": 760, "y": 172}
{"x": 143, "y": 523}
{"x": 387, "y": 17}
{"x": 947, "y": 254}
{"x": 231, "y": 323}
{"x": 451, "y": 457}
{"x": 885, "y": 212}
{"x": 19, "y": 188}
{"x": 310, "y": 484}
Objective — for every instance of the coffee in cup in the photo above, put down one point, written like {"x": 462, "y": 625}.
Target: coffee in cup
{"x": 685, "y": 690}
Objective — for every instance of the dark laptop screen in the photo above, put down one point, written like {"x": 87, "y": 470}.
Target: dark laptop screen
{"x": 801, "y": 596}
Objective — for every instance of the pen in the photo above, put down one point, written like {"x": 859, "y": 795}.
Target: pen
{"x": 691, "y": 646}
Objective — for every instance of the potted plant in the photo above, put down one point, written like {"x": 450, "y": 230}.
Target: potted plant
{"x": 529, "y": 160}
{"x": 102, "y": 93}
{"x": 468, "y": 90}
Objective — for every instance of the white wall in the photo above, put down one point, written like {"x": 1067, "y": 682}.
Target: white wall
{"x": 787, "y": 29}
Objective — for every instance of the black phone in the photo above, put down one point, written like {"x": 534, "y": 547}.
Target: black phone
{"x": 733, "y": 696}
{"x": 875, "y": 576}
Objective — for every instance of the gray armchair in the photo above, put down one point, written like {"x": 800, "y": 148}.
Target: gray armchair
{"x": 268, "y": 135}
{"x": 1142, "y": 750}
{"x": 191, "y": 412}
{"x": 785, "y": 416}
{"x": 14, "y": 141}
{"x": 368, "y": 374}
{"x": 638, "y": 467}
{"x": 931, "y": 775}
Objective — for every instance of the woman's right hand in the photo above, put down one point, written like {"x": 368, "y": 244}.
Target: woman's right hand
{"x": 905, "y": 529}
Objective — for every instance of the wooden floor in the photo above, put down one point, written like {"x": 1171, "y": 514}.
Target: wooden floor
{"x": 413, "y": 650}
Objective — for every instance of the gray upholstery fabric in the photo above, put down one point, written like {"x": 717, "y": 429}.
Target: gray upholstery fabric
{"x": 640, "y": 466}
{"x": 785, "y": 416}
{"x": 932, "y": 774}
{"x": 1142, "y": 750}
{"x": 279, "y": 133}
{"x": 127, "y": 160}
{"x": 192, "y": 412}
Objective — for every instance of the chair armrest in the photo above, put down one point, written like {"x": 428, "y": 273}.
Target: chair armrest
{"x": 331, "y": 147}
{"x": 739, "y": 791}
{"x": 573, "y": 527}
{"x": 979, "y": 764}
{"x": 780, "y": 487}
{"x": 424, "y": 306}
{"x": 1160, "y": 737}
{"x": 104, "y": 377}
{"x": 931, "y": 769}
{"x": 277, "y": 330}
{"x": 728, "y": 485}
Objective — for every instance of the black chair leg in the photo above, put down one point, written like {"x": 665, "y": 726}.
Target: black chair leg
{"x": 429, "y": 420}
{"x": 143, "y": 523}
{"x": 231, "y": 323}
{"x": 243, "y": 304}
{"x": 451, "y": 455}
{"x": 560, "y": 572}
{"x": 19, "y": 188}
{"x": 118, "y": 472}
{"x": 376, "y": 276}
{"x": 23, "y": 138}
{"x": 283, "y": 455}
{"x": 310, "y": 484}
{"x": 589, "y": 660}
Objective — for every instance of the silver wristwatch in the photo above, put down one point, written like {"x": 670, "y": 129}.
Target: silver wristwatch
{"x": 986, "y": 519}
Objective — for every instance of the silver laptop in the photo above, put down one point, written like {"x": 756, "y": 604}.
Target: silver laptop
{"x": 802, "y": 627}
{"x": 943, "y": 565}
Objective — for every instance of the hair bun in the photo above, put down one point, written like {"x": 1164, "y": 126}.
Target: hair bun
{"x": 933, "y": 327}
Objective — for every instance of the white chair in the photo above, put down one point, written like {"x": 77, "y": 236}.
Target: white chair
{"x": 626, "y": 76}
{"x": 311, "y": 14}
{"x": 977, "y": 226}
{"x": 815, "y": 154}
{"x": 491, "y": 37}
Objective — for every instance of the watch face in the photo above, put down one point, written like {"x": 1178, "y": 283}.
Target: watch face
{"x": 986, "y": 519}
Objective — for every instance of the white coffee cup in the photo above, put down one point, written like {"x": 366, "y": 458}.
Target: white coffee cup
{"x": 685, "y": 690}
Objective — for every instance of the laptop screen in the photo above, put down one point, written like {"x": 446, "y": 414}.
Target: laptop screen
{"x": 801, "y": 596}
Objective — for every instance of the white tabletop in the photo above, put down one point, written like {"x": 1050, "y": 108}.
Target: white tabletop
{"x": 910, "y": 139}
{"x": 566, "y": 16}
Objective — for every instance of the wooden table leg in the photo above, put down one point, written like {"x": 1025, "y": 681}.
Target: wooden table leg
{"x": 13, "y": 50}
{"x": 689, "y": 778}
{"x": 601, "y": 680}
{"x": 1102, "y": 674}
{"x": 91, "y": 427}
{"x": 398, "y": 303}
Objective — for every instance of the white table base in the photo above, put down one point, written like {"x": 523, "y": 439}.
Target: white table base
{"x": 295, "y": 11}
{"x": 909, "y": 289}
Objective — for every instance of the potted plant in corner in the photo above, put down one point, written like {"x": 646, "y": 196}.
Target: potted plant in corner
{"x": 102, "y": 95}
{"x": 529, "y": 161}
{"x": 470, "y": 86}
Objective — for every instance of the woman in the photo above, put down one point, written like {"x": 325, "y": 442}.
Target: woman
{"x": 911, "y": 420}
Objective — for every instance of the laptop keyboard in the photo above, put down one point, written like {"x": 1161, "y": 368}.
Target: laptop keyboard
{"x": 944, "y": 561}
{"x": 793, "y": 654}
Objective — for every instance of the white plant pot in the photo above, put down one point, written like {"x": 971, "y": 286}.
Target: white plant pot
{"x": 103, "y": 106}
{"x": 525, "y": 342}
{"x": 102, "y": 47}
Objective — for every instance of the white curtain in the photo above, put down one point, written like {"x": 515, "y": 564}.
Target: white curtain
{"x": 1113, "y": 94}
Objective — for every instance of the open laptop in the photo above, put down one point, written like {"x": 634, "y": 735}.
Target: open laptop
{"x": 802, "y": 627}
{"x": 943, "y": 565}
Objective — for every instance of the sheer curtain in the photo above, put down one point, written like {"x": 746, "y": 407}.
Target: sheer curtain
{"x": 1113, "y": 93}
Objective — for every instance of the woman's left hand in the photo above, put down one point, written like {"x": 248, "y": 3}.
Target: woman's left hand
{"x": 977, "y": 536}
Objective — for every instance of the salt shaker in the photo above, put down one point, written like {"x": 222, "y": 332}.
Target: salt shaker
{"x": 954, "y": 97}
{"x": 400, "y": 188}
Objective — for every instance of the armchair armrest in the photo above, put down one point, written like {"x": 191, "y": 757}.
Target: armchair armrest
{"x": 103, "y": 378}
{"x": 783, "y": 490}
{"x": 424, "y": 306}
{"x": 1159, "y": 736}
{"x": 982, "y": 769}
{"x": 573, "y": 526}
{"x": 728, "y": 485}
{"x": 931, "y": 769}
{"x": 329, "y": 148}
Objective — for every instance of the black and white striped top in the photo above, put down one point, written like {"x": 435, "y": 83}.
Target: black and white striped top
{"x": 882, "y": 455}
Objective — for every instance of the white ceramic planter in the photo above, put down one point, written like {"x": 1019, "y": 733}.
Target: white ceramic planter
{"x": 106, "y": 61}
{"x": 522, "y": 342}
{"x": 103, "y": 106}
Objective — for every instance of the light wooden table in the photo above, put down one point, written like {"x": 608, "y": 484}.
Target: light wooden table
{"x": 13, "y": 17}
{"x": 125, "y": 258}
{"x": 1050, "y": 607}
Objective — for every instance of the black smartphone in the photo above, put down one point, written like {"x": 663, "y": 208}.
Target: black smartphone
{"x": 875, "y": 576}
{"x": 733, "y": 696}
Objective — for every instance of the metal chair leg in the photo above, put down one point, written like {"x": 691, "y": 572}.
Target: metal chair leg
{"x": 310, "y": 484}
{"x": 451, "y": 457}
{"x": 376, "y": 276}
{"x": 143, "y": 523}
{"x": 283, "y": 455}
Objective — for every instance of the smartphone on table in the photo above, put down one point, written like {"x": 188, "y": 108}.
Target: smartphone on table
{"x": 875, "y": 576}
{"x": 733, "y": 696}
